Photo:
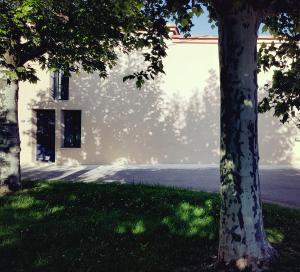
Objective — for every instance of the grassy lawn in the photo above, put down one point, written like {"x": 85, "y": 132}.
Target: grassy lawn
{"x": 92, "y": 227}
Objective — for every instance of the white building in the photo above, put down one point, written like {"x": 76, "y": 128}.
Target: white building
{"x": 173, "y": 119}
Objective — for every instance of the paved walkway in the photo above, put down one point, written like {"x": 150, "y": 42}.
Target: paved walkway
{"x": 279, "y": 185}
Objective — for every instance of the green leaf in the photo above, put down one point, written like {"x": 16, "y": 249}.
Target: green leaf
{"x": 198, "y": 11}
{"x": 184, "y": 22}
{"x": 265, "y": 28}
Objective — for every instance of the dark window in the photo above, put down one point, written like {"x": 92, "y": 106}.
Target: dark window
{"x": 45, "y": 135}
{"x": 72, "y": 128}
{"x": 60, "y": 85}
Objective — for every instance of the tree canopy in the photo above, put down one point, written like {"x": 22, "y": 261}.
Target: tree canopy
{"x": 284, "y": 91}
{"x": 86, "y": 34}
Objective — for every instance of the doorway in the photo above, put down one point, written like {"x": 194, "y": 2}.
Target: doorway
{"x": 45, "y": 135}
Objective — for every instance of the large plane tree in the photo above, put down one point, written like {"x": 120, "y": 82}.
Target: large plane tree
{"x": 87, "y": 34}
{"x": 242, "y": 241}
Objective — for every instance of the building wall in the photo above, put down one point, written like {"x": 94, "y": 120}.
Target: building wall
{"x": 173, "y": 119}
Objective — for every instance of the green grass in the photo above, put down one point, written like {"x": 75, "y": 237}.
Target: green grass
{"x": 92, "y": 227}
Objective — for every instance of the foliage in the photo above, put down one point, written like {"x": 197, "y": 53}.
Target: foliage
{"x": 284, "y": 90}
{"x": 91, "y": 34}
{"x": 99, "y": 227}
{"x": 87, "y": 34}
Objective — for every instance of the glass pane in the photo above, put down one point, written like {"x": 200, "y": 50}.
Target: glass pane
{"x": 72, "y": 130}
{"x": 60, "y": 86}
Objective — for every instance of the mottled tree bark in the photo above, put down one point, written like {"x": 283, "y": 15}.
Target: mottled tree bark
{"x": 9, "y": 130}
{"x": 243, "y": 241}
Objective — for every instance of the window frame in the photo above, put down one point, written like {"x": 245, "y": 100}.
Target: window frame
{"x": 60, "y": 85}
{"x": 64, "y": 143}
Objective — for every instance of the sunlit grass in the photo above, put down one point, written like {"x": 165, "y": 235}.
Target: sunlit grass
{"x": 275, "y": 236}
{"x": 137, "y": 227}
{"x": 191, "y": 220}
{"x": 92, "y": 227}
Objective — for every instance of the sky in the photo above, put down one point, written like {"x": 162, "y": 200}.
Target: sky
{"x": 202, "y": 27}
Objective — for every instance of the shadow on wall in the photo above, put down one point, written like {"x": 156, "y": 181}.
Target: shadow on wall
{"x": 123, "y": 124}
{"x": 148, "y": 126}
{"x": 276, "y": 141}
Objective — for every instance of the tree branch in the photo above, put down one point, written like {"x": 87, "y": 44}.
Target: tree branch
{"x": 275, "y": 7}
{"x": 29, "y": 52}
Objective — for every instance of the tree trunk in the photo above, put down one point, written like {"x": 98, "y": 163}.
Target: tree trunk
{"x": 243, "y": 241}
{"x": 9, "y": 131}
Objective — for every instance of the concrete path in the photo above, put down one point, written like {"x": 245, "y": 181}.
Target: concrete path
{"x": 279, "y": 185}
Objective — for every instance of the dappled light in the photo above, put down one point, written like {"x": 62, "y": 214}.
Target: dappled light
{"x": 277, "y": 141}
{"x": 164, "y": 122}
{"x": 136, "y": 228}
{"x": 22, "y": 202}
{"x": 77, "y": 227}
{"x": 275, "y": 236}
{"x": 55, "y": 226}
{"x": 123, "y": 125}
{"x": 192, "y": 220}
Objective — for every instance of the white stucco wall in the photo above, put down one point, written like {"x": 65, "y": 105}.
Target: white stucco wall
{"x": 173, "y": 119}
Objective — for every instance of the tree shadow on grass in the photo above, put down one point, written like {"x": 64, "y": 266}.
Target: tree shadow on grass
{"x": 92, "y": 227}
{"x": 282, "y": 227}
{"x": 58, "y": 226}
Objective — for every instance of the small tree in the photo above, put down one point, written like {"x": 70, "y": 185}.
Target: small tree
{"x": 68, "y": 35}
